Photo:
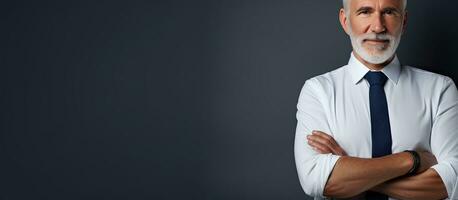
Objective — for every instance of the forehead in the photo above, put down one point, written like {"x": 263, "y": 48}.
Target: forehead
{"x": 376, "y": 3}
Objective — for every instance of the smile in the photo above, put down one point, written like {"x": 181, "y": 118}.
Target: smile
{"x": 371, "y": 41}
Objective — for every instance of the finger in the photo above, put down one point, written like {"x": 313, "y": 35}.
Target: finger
{"x": 323, "y": 141}
{"x": 322, "y": 150}
{"x": 329, "y": 143}
{"x": 325, "y": 136}
{"x": 325, "y": 149}
{"x": 332, "y": 143}
{"x": 322, "y": 134}
{"x": 319, "y": 147}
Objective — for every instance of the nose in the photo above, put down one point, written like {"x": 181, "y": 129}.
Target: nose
{"x": 378, "y": 24}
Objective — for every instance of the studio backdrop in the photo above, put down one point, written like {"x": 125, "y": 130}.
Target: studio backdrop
{"x": 173, "y": 99}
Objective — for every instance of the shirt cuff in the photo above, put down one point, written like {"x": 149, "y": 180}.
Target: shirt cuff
{"x": 329, "y": 163}
{"x": 448, "y": 176}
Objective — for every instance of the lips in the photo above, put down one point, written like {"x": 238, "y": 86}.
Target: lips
{"x": 376, "y": 41}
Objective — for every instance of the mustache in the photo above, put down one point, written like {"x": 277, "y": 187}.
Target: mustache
{"x": 375, "y": 36}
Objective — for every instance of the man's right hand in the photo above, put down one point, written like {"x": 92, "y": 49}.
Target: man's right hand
{"x": 427, "y": 160}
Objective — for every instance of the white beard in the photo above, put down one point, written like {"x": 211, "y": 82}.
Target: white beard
{"x": 375, "y": 54}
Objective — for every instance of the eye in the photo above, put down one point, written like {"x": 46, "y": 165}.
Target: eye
{"x": 363, "y": 12}
{"x": 389, "y": 12}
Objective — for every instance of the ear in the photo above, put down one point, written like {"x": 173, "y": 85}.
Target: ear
{"x": 404, "y": 25}
{"x": 344, "y": 20}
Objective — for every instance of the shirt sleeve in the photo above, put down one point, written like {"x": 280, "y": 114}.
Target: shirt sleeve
{"x": 313, "y": 168}
{"x": 444, "y": 136}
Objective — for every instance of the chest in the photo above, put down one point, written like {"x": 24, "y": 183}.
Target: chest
{"x": 410, "y": 116}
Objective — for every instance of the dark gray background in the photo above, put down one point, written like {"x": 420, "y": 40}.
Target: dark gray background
{"x": 173, "y": 99}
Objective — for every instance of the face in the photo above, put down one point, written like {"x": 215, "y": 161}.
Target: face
{"x": 375, "y": 28}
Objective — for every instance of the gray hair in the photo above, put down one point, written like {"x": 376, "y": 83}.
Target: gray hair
{"x": 346, "y": 4}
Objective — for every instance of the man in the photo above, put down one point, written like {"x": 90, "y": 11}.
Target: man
{"x": 355, "y": 123}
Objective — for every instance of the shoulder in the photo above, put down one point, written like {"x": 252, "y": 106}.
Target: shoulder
{"x": 320, "y": 87}
{"x": 424, "y": 77}
{"x": 415, "y": 72}
{"x": 327, "y": 81}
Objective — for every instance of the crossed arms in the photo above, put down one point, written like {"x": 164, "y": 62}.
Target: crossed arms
{"x": 352, "y": 176}
{"x": 330, "y": 172}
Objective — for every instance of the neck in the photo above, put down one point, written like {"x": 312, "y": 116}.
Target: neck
{"x": 371, "y": 66}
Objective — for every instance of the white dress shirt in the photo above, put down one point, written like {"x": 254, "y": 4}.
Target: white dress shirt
{"x": 423, "y": 111}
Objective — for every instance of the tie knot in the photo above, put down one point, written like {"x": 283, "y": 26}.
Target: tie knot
{"x": 376, "y": 78}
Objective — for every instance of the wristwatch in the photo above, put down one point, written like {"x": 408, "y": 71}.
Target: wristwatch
{"x": 416, "y": 162}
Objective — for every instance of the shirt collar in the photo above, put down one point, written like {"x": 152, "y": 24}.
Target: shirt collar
{"x": 358, "y": 70}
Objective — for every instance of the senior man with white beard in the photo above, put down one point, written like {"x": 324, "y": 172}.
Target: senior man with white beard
{"x": 376, "y": 129}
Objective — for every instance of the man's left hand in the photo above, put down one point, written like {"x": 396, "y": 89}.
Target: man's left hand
{"x": 324, "y": 144}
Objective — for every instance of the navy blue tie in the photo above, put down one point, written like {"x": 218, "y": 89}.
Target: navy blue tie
{"x": 380, "y": 121}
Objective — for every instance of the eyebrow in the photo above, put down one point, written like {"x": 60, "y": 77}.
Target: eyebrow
{"x": 368, "y": 8}
{"x": 391, "y": 9}
{"x": 364, "y": 8}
